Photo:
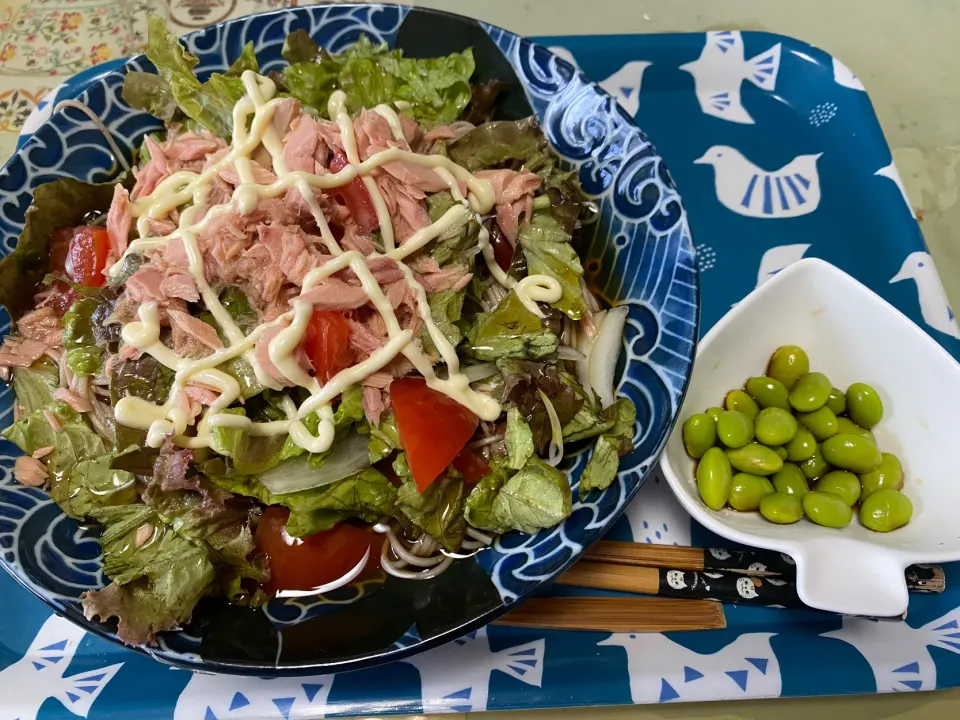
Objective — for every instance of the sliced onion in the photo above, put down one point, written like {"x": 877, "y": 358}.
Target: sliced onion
{"x": 556, "y": 431}
{"x": 565, "y": 352}
{"x": 479, "y": 372}
{"x": 604, "y": 354}
{"x": 585, "y": 345}
{"x": 350, "y": 455}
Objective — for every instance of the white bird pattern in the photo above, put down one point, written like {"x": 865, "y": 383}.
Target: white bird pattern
{"x": 456, "y": 677}
{"x": 624, "y": 85}
{"x": 746, "y": 189}
{"x": 39, "y": 675}
{"x": 898, "y": 654}
{"x": 655, "y": 515}
{"x": 232, "y": 697}
{"x": 662, "y": 670}
{"x": 779, "y": 258}
{"x": 891, "y": 173}
{"x": 934, "y": 305}
{"x": 842, "y": 75}
{"x": 721, "y": 69}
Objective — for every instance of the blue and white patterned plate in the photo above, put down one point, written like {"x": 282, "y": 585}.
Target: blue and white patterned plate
{"x": 640, "y": 255}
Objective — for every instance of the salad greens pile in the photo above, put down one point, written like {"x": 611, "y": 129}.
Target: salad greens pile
{"x": 179, "y": 525}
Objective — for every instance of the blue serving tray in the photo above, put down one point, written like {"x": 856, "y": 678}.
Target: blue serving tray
{"x": 778, "y": 155}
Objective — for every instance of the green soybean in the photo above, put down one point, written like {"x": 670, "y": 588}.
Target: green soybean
{"x": 822, "y": 423}
{"x": 781, "y": 508}
{"x": 715, "y": 413}
{"x": 886, "y": 510}
{"x": 864, "y": 405}
{"x": 775, "y": 426}
{"x": 849, "y": 427}
{"x": 755, "y": 459}
{"x": 790, "y": 480}
{"x": 852, "y": 452}
{"x": 889, "y": 476}
{"x": 746, "y": 491}
{"x": 714, "y": 477}
{"x": 781, "y": 451}
{"x": 827, "y": 509}
{"x": 810, "y": 392}
{"x": 837, "y": 402}
{"x": 739, "y": 401}
{"x": 814, "y": 466}
{"x": 841, "y": 483}
{"x": 802, "y": 446}
{"x": 734, "y": 429}
{"x": 768, "y": 392}
{"x": 699, "y": 434}
{"x": 787, "y": 364}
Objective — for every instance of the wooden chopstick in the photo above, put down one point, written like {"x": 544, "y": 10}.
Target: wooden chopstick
{"x": 758, "y": 563}
{"x": 603, "y": 614}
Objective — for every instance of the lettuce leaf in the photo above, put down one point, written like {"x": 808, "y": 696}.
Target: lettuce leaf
{"x": 437, "y": 511}
{"x": 151, "y": 93}
{"x": 446, "y": 307}
{"x": 547, "y": 248}
{"x": 56, "y": 204}
{"x": 601, "y": 469}
{"x": 510, "y": 331}
{"x": 93, "y": 484}
{"x": 72, "y": 444}
{"x": 246, "y": 61}
{"x": 384, "y": 438}
{"x": 478, "y": 509}
{"x": 367, "y": 494}
{"x": 495, "y": 143}
{"x": 34, "y": 386}
{"x": 437, "y": 89}
{"x": 87, "y": 360}
{"x": 519, "y": 439}
{"x": 537, "y": 497}
{"x": 211, "y": 103}
{"x": 459, "y": 239}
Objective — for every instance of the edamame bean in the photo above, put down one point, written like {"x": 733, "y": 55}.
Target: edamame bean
{"x": 864, "y": 405}
{"x": 781, "y": 508}
{"x": 775, "y": 426}
{"x": 747, "y": 491}
{"x": 889, "y": 476}
{"x": 841, "y": 483}
{"x": 802, "y": 446}
{"x": 821, "y": 422}
{"x": 811, "y": 392}
{"x": 852, "y": 452}
{"x": 767, "y": 392}
{"x": 755, "y": 459}
{"x": 790, "y": 480}
{"x": 714, "y": 478}
{"x": 886, "y": 510}
{"x": 781, "y": 451}
{"x": 741, "y": 402}
{"x": 849, "y": 427}
{"x": 837, "y": 402}
{"x": 827, "y": 509}
{"x": 734, "y": 429}
{"x": 815, "y": 465}
{"x": 699, "y": 434}
{"x": 787, "y": 364}
{"x": 715, "y": 413}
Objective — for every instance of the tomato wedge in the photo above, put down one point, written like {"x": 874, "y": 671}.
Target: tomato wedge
{"x": 327, "y": 342}
{"x": 307, "y": 563}
{"x": 87, "y": 256}
{"x": 433, "y": 428}
{"x": 356, "y": 197}
{"x": 471, "y": 466}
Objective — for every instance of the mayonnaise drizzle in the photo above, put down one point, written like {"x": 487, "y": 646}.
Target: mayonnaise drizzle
{"x": 170, "y": 419}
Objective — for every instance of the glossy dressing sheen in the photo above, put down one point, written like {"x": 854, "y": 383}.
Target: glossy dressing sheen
{"x": 169, "y": 419}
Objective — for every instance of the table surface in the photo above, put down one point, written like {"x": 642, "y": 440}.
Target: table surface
{"x": 904, "y": 51}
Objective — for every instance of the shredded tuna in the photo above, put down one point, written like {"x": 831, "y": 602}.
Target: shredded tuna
{"x": 285, "y": 112}
{"x": 262, "y": 352}
{"x": 160, "y": 228}
{"x": 190, "y": 333}
{"x": 52, "y": 421}
{"x": 513, "y": 193}
{"x": 188, "y": 147}
{"x": 384, "y": 269}
{"x": 405, "y": 204}
{"x": 288, "y": 249}
{"x": 373, "y": 405}
{"x": 150, "y": 175}
{"x": 201, "y": 394}
{"x": 261, "y": 175}
{"x": 144, "y": 285}
{"x": 78, "y": 402}
{"x": 42, "y": 324}
{"x": 42, "y": 452}
{"x": 20, "y": 352}
{"x": 452, "y": 277}
{"x": 30, "y": 471}
{"x": 353, "y": 239}
{"x": 440, "y": 132}
{"x": 144, "y": 534}
{"x": 362, "y": 339}
{"x": 301, "y": 145}
{"x": 332, "y": 294}
{"x": 118, "y": 223}
{"x": 179, "y": 284}
{"x": 397, "y": 293}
